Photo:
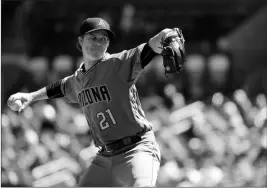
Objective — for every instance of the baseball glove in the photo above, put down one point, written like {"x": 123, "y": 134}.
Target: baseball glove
{"x": 173, "y": 51}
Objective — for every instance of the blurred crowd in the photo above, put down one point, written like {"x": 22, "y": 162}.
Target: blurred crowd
{"x": 211, "y": 133}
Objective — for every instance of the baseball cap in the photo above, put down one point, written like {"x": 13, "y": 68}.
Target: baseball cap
{"x": 93, "y": 24}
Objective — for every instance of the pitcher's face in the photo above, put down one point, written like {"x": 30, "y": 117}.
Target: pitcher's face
{"x": 94, "y": 44}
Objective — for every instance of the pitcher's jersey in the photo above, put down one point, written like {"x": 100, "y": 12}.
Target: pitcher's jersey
{"x": 108, "y": 96}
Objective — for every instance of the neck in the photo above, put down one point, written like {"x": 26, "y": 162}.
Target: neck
{"x": 89, "y": 63}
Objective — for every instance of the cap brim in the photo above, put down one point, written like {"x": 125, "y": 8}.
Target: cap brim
{"x": 110, "y": 33}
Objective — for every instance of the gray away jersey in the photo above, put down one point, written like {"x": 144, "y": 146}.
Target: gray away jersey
{"x": 108, "y": 96}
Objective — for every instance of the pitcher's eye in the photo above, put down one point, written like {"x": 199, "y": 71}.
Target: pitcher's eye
{"x": 104, "y": 39}
{"x": 94, "y": 38}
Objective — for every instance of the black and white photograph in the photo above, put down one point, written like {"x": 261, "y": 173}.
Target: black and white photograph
{"x": 134, "y": 93}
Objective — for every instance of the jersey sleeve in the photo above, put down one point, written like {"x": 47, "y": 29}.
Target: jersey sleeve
{"x": 129, "y": 65}
{"x": 68, "y": 85}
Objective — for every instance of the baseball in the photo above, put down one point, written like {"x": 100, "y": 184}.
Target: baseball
{"x": 16, "y": 105}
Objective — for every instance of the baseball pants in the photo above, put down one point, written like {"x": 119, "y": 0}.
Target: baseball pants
{"x": 136, "y": 167}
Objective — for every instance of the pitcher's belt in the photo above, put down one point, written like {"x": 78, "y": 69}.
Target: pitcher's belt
{"x": 121, "y": 143}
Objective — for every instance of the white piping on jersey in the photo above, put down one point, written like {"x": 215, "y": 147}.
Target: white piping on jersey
{"x": 137, "y": 110}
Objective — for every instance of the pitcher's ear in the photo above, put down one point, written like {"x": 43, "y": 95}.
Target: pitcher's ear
{"x": 80, "y": 40}
{"x": 78, "y": 44}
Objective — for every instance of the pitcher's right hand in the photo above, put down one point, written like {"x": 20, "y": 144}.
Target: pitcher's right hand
{"x": 25, "y": 98}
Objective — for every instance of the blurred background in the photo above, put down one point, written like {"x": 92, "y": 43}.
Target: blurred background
{"x": 209, "y": 120}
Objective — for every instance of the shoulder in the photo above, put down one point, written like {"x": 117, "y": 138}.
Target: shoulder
{"x": 125, "y": 53}
{"x": 118, "y": 55}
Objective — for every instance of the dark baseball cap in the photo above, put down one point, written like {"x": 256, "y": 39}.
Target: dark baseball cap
{"x": 94, "y": 24}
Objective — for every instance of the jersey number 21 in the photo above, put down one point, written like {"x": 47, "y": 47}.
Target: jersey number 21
{"x": 104, "y": 119}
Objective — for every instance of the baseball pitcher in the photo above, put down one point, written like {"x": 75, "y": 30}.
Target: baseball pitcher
{"x": 104, "y": 87}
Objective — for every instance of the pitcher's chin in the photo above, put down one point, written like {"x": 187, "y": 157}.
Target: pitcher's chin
{"x": 97, "y": 55}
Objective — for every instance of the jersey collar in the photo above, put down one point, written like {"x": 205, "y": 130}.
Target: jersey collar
{"x": 82, "y": 68}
